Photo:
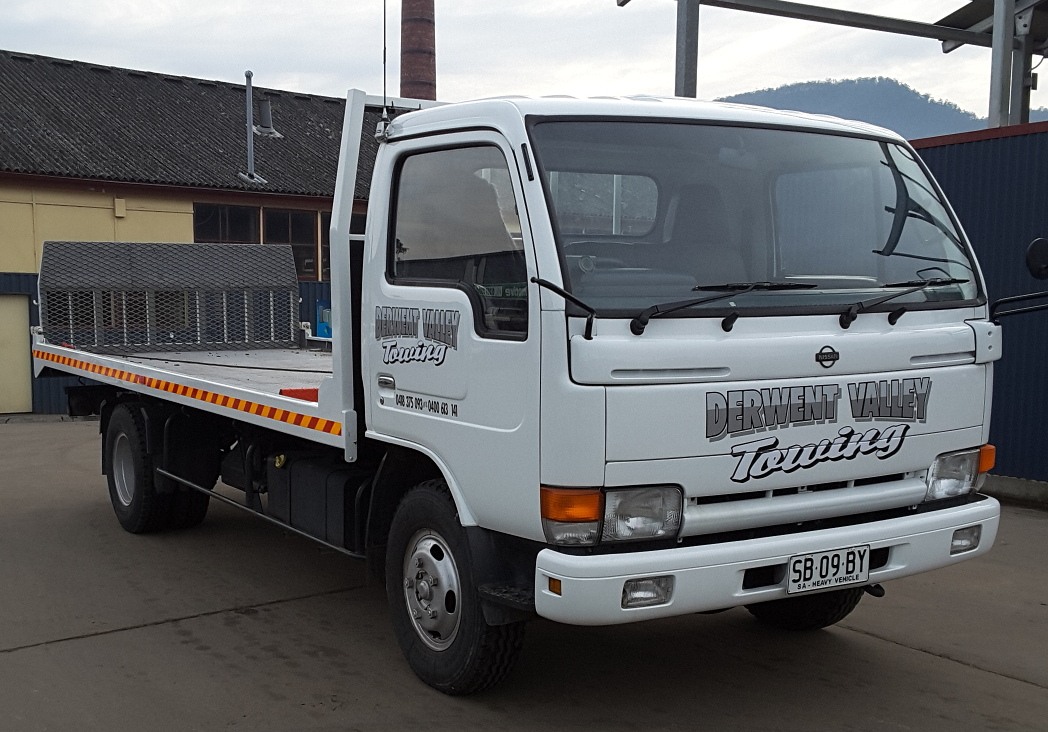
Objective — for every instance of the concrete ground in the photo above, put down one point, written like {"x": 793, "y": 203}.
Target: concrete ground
{"x": 239, "y": 625}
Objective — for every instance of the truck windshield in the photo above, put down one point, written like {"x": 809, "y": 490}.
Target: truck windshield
{"x": 647, "y": 213}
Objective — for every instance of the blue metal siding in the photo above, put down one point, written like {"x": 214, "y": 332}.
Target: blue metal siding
{"x": 999, "y": 189}
{"x": 48, "y": 392}
{"x": 309, "y": 293}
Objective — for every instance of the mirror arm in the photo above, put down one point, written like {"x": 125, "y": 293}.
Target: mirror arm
{"x": 995, "y": 309}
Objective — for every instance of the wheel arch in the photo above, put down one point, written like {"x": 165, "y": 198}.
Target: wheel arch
{"x": 158, "y": 416}
{"x": 502, "y": 565}
{"x": 400, "y": 470}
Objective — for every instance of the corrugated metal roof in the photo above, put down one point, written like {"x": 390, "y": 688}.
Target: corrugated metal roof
{"x": 78, "y": 120}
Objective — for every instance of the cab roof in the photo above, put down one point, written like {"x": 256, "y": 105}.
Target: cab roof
{"x": 500, "y": 111}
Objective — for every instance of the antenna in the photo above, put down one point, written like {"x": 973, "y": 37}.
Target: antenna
{"x": 383, "y": 124}
{"x": 384, "y": 73}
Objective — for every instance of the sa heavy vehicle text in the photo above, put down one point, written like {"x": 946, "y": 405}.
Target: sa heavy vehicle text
{"x": 598, "y": 361}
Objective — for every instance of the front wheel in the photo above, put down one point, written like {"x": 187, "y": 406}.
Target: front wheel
{"x": 435, "y": 609}
{"x": 808, "y": 612}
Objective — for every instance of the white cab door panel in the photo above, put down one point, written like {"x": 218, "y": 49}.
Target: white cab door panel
{"x": 451, "y": 323}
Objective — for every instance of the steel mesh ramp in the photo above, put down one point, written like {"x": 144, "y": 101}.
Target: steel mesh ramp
{"x": 116, "y": 297}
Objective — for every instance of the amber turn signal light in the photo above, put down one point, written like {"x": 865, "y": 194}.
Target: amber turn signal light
{"x": 987, "y": 458}
{"x": 571, "y": 504}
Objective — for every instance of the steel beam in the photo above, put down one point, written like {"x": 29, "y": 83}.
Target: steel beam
{"x": 1001, "y": 62}
{"x": 1022, "y": 69}
{"x": 986, "y": 24}
{"x": 686, "y": 81}
{"x": 852, "y": 19}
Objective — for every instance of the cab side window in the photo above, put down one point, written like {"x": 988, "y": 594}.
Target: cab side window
{"x": 456, "y": 225}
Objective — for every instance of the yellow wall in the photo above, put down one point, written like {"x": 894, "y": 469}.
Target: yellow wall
{"x": 16, "y": 393}
{"x": 31, "y": 215}
{"x": 34, "y": 210}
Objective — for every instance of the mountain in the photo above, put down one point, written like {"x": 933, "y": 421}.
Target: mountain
{"x": 880, "y": 101}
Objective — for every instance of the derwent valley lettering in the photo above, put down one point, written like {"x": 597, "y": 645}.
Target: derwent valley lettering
{"x": 743, "y": 412}
{"x": 440, "y": 330}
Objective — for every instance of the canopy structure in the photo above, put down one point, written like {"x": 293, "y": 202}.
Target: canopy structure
{"x": 1015, "y": 30}
{"x": 1011, "y": 76}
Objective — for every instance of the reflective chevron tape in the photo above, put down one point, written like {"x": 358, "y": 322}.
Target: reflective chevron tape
{"x": 221, "y": 400}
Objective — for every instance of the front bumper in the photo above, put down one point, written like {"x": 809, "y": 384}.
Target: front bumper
{"x": 711, "y": 577}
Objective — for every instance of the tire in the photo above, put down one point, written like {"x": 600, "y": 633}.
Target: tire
{"x": 139, "y": 508}
{"x": 188, "y": 508}
{"x": 199, "y": 463}
{"x": 808, "y": 612}
{"x": 434, "y": 606}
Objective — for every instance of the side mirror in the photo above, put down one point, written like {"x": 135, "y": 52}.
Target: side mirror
{"x": 1037, "y": 259}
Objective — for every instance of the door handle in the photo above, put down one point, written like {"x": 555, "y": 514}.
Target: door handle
{"x": 385, "y": 381}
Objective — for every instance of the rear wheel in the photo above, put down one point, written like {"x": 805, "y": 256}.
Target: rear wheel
{"x": 189, "y": 508}
{"x": 808, "y": 612}
{"x": 198, "y": 461}
{"x": 434, "y": 606}
{"x": 138, "y": 506}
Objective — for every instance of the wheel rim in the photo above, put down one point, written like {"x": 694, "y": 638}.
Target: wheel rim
{"x": 123, "y": 470}
{"x": 431, "y": 589}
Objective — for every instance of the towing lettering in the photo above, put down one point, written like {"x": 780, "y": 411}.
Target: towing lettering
{"x": 740, "y": 412}
{"x": 761, "y": 458}
{"x": 440, "y": 329}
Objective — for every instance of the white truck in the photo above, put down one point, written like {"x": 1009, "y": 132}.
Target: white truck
{"x": 599, "y": 361}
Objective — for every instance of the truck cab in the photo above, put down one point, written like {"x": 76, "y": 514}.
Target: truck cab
{"x": 696, "y": 356}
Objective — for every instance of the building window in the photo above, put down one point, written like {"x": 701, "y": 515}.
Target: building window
{"x": 299, "y": 229}
{"x": 221, "y": 224}
{"x": 325, "y": 246}
{"x": 356, "y": 228}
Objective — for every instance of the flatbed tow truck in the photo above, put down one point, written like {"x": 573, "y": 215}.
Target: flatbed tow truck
{"x": 598, "y": 361}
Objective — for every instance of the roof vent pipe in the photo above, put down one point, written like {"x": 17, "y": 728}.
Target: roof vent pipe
{"x": 265, "y": 120}
{"x": 250, "y": 176}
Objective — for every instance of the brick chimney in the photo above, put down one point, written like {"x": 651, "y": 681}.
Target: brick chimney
{"x": 418, "y": 50}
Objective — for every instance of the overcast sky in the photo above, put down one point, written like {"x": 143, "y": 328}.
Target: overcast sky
{"x": 494, "y": 47}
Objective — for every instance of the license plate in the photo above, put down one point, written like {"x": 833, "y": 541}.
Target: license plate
{"x": 826, "y": 570}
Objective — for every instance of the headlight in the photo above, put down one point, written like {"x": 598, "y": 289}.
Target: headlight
{"x": 958, "y": 473}
{"x": 642, "y": 513}
{"x": 582, "y": 516}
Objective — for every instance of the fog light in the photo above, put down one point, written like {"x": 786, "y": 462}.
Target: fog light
{"x": 964, "y": 540}
{"x": 647, "y": 591}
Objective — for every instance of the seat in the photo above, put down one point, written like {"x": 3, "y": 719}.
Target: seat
{"x": 700, "y": 241}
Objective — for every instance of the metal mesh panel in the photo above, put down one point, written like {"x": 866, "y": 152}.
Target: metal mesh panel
{"x": 112, "y": 297}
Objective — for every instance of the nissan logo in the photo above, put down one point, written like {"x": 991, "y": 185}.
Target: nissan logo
{"x": 826, "y": 357}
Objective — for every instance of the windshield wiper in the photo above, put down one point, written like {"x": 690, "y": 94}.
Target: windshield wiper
{"x": 747, "y": 286}
{"x": 852, "y": 313}
{"x": 590, "y": 312}
{"x": 639, "y": 323}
